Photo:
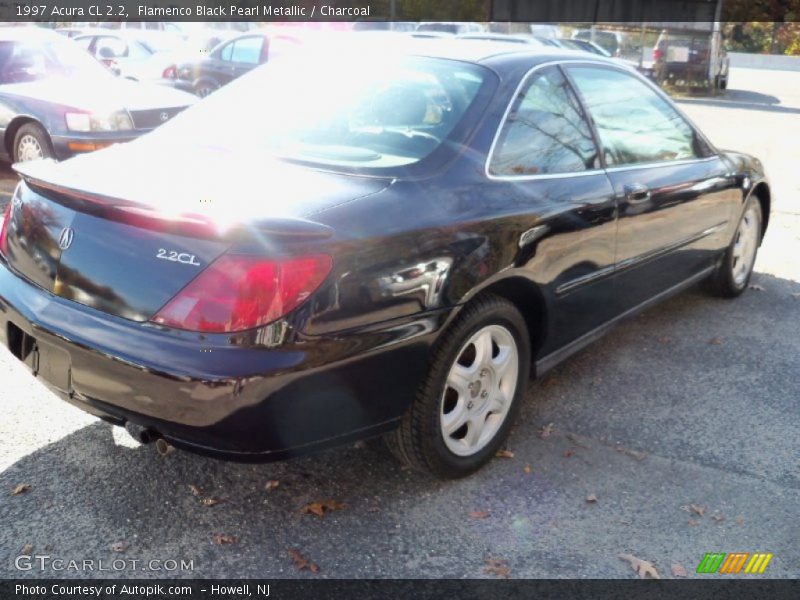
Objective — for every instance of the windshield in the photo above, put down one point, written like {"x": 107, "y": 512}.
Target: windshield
{"x": 335, "y": 111}
{"x": 32, "y": 61}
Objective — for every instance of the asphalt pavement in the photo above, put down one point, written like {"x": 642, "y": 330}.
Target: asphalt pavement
{"x": 673, "y": 436}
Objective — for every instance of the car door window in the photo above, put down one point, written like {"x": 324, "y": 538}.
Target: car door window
{"x": 247, "y": 50}
{"x": 634, "y": 123}
{"x": 115, "y": 47}
{"x": 545, "y": 131}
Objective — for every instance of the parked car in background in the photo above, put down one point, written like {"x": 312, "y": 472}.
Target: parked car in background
{"x": 57, "y": 101}
{"x": 132, "y": 54}
{"x": 389, "y": 243}
{"x": 449, "y": 27}
{"x": 611, "y": 41}
{"x": 231, "y": 59}
{"x": 503, "y": 37}
{"x": 585, "y": 46}
{"x": 691, "y": 56}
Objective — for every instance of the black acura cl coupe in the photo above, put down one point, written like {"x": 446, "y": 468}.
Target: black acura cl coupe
{"x": 337, "y": 248}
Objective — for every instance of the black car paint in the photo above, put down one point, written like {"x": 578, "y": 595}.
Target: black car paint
{"x": 409, "y": 252}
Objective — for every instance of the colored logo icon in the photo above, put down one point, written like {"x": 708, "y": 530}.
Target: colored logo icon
{"x": 735, "y": 562}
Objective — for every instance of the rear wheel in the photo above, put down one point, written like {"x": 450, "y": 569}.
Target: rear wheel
{"x": 734, "y": 272}
{"x": 204, "y": 88}
{"x": 31, "y": 142}
{"x": 464, "y": 408}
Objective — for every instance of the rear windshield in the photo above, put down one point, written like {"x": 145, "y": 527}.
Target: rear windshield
{"x": 336, "y": 112}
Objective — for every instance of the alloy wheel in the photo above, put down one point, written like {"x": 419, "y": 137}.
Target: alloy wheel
{"x": 479, "y": 390}
{"x": 745, "y": 246}
{"x": 29, "y": 148}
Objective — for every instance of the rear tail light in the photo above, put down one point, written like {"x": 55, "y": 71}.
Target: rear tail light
{"x": 171, "y": 72}
{"x": 4, "y": 224}
{"x": 658, "y": 54}
{"x": 242, "y": 292}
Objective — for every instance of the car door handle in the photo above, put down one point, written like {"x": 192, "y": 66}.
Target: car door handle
{"x": 636, "y": 193}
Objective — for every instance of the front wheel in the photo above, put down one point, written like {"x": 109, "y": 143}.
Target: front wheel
{"x": 464, "y": 408}
{"x": 734, "y": 272}
{"x": 31, "y": 143}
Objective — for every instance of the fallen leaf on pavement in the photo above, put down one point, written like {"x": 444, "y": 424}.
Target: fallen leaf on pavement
{"x": 632, "y": 453}
{"x": 756, "y": 287}
{"x": 591, "y": 498}
{"x": 27, "y": 550}
{"x": 21, "y": 489}
{"x": 479, "y": 514}
{"x": 505, "y": 454}
{"x": 528, "y": 469}
{"x": 693, "y": 523}
{"x": 209, "y": 501}
{"x": 678, "y": 570}
{"x": 120, "y": 546}
{"x": 642, "y": 568}
{"x": 222, "y": 539}
{"x": 718, "y": 518}
{"x": 498, "y": 567}
{"x": 301, "y": 562}
{"x": 194, "y": 489}
{"x": 567, "y": 453}
{"x": 715, "y": 341}
{"x": 740, "y": 520}
{"x": 271, "y": 484}
{"x": 321, "y": 507}
{"x": 546, "y": 431}
{"x": 698, "y": 510}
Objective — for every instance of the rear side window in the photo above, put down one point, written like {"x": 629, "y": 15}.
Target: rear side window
{"x": 545, "y": 132}
{"x": 634, "y": 123}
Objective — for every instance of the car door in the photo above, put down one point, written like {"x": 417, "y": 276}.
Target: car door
{"x": 247, "y": 53}
{"x": 674, "y": 194}
{"x": 236, "y": 58}
{"x": 545, "y": 160}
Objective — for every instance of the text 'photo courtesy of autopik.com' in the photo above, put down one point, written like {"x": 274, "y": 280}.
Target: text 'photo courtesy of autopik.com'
{"x": 399, "y": 299}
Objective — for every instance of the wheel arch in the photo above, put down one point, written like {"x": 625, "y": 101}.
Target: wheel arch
{"x": 528, "y": 298}
{"x": 13, "y": 127}
{"x": 764, "y": 196}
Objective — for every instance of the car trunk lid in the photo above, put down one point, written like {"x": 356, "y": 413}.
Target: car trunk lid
{"x": 79, "y": 233}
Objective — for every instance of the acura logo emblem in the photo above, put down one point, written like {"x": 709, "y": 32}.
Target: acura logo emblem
{"x": 164, "y": 116}
{"x": 65, "y": 239}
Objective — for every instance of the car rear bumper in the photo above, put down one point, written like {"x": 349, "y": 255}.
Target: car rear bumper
{"x": 253, "y": 403}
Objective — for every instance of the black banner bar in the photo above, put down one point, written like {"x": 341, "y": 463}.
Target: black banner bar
{"x": 317, "y": 589}
{"x": 543, "y": 11}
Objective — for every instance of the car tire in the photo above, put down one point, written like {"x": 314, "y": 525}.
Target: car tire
{"x": 733, "y": 273}
{"x": 486, "y": 354}
{"x": 31, "y": 142}
{"x": 205, "y": 87}
{"x": 723, "y": 83}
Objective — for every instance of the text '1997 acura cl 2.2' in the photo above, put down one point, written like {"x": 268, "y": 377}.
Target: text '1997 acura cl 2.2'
{"x": 336, "y": 248}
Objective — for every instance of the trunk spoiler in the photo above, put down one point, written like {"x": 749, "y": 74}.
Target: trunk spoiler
{"x": 35, "y": 174}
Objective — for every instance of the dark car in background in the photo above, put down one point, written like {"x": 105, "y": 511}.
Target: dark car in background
{"x": 57, "y": 101}
{"x": 359, "y": 243}
{"x": 691, "y": 55}
{"x": 231, "y": 59}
